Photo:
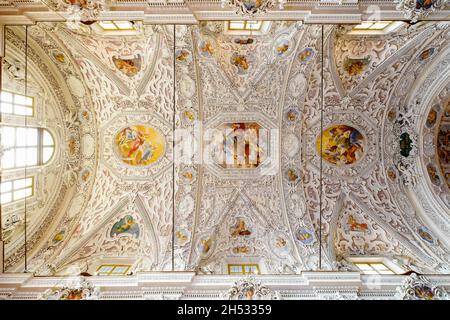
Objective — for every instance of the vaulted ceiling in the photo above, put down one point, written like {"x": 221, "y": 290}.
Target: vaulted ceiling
{"x": 350, "y": 158}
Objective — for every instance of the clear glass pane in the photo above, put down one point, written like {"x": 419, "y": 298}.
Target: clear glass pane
{"x": 32, "y": 156}
{"x": 8, "y": 134}
{"x": 6, "y": 186}
{"x": 21, "y": 110}
{"x": 21, "y": 137}
{"x": 124, "y": 25}
{"x": 235, "y": 269}
{"x": 363, "y": 266}
{"x": 363, "y": 26}
{"x": 105, "y": 269}
{"x": 107, "y": 25}
{"x": 32, "y": 137}
{"x": 120, "y": 269}
{"x": 370, "y": 272}
{"x": 20, "y": 184}
{"x": 6, "y": 96}
{"x": 5, "y": 198}
{"x": 254, "y": 25}
{"x": 28, "y": 192}
{"x": 47, "y": 153}
{"x": 21, "y": 157}
{"x": 47, "y": 138}
{"x": 20, "y": 194}
{"x": 379, "y": 266}
{"x": 19, "y": 99}
{"x": 29, "y": 182}
{"x": 29, "y": 101}
{"x": 239, "y": 25}
{"x": 29, "y": 111}
{"x": 6, "y": 107}
{"x": 8, "y": 159}
{"x": 380, "y": 25}
{"x": 386, "y": 272}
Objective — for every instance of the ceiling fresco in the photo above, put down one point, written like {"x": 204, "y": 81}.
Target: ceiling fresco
{"x": 187, "y": 147}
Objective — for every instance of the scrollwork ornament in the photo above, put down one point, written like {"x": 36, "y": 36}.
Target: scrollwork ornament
{"x": 250, "y": 289}
{"x": 415, "y": 10}
{"x": 79, "y": 10}
{"x": 406, "y": 146}
{"x": 251, "y": 7}
{"x": 417, "y": 287}
{"x": 79, "y": 289}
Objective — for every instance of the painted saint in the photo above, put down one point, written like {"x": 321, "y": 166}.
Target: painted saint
{"x": 425, "y": 235}
{"x": 60, "y": 57}
{"x": 241, "y": 250}
{"x": 427, "y": 54}
{"x": 204, "y": 246}
{"x": 243, "y": 41}
{"x": 305, "y": 236}
{"x": 252, "y": 5}
{"x": 424, "y": 4}
{"x": 139, "y": 145}
{"x": 205, "y": 48}
{"x": 424, "y": 293}
{"x": 126, "y": 225}
{"x": 354, "y": 225}
{"x": 240, "y": 229}
{"x": 292, "y": 175}
{"x": 129, "y": 66}
{"x": 281, "y": 46}
{"x": 59, "y": 237}
{"x": 432, "y": 117}
{"x": 241, "y": 63}
{"x": 341, "y": 145}
{"x": 443, "y": 144}
{"x": 434, "y": 176}
{"x": 306, "y": 54}
{"x": 183, "y": 56}
{"x": 239, "y": 145}
{"x": 355, "y": 67}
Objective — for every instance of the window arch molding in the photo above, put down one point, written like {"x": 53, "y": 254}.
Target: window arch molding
{"x": 24, "y": 147}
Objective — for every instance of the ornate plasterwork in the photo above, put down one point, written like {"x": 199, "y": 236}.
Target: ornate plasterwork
{"x": 77, "y": 289}
{"x": 87, "y": 10}
{"x": 252, "y": 7}
{"x": 69, "y": 139}
{"x": 416, "y": 10}
{"x": 418, "y": 287}
{"x": 250, "y": 289}
{"x": 223, "y": 215}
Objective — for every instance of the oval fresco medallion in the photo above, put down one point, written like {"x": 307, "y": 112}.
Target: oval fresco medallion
{"x": 341, "y": 145}
{"x": 139, "y": 145}
{"x": 427, "y": 54}
{"x": 306, "y": 54}
{"x": 426, "y": 235}
{"x": 281, "y": 46}
{"x": 305, "y": 236}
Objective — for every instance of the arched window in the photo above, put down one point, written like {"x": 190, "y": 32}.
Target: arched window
{"x": 25, "y": 147}
{"x": 21, "y": 147}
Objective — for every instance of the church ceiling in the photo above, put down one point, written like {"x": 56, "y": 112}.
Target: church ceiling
{"x": 194, "y": 147}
